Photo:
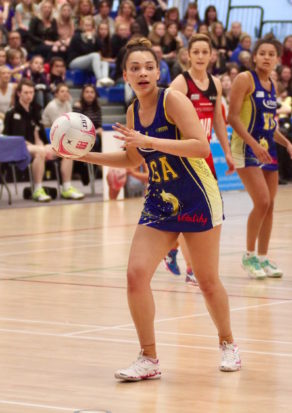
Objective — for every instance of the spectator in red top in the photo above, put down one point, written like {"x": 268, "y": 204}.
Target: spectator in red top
{"x": 287, "y": 51}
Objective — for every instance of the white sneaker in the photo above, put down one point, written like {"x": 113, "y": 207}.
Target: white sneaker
{"x": 142, "y": 369}
{"x": 105, "y": 81}
{"x": 230, "y": 357}
{"x": 271, "y": 270}
{"x": 252, "y": 266}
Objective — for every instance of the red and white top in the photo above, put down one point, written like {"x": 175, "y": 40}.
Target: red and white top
{"x": 204, "y": 102}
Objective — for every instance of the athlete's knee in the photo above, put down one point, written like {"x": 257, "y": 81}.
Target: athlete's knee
{"x": 208, "y": 284}
{"x": 263, "y": 203}
{"x": 137, "y": 278}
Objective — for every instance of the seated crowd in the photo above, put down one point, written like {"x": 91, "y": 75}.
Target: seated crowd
{"x": 41, "y": 42}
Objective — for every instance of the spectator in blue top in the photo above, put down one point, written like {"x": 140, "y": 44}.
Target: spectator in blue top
{"x": 244, "y": 44}
{"x": 165, "y": 78}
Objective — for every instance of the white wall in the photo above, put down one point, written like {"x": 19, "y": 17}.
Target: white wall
{"x": 273, "y": 10}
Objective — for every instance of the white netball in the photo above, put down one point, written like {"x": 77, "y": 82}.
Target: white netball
{"x": 72, "y": 135}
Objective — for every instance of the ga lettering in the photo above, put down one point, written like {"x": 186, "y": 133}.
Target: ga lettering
{"x": 161, "y": 170}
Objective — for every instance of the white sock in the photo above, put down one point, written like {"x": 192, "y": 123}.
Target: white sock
{"x": 66, "y": 185}
{"x": 38, "y": 186}
{"x": 250, "y": 253}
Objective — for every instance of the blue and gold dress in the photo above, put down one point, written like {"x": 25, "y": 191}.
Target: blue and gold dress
{"x": 258, "y": 116}
{"x": 182, "y": 194}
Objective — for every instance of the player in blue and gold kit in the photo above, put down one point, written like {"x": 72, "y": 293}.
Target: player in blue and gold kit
{"x": 182, "y": 197}
{"x": 252, "y": 115}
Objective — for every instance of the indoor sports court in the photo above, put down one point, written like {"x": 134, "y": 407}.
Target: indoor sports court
{"x": 65, "y": 326}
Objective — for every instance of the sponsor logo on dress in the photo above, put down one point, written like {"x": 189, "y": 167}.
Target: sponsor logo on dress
{"x": 162, "y": 129}
{"x": 260, "y": 94}
{"x": 198, "y": 219}
{"x": 195, "y": 96}
{"x": 270, "y": 104}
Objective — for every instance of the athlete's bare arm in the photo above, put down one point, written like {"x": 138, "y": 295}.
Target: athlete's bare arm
{"x": 220, "y": 127}
{"x": 179, "y": 83}
{"x": 241, "y": 87}
{"x": 181, "y": 112}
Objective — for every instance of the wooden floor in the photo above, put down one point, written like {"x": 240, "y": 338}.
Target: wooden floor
{"x": 65, "y": 326}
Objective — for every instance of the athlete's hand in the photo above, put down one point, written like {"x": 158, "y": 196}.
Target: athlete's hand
{"x": 262, "y": 154}
{"x": 131, "y": 138}
{"x": 230, "y": 164}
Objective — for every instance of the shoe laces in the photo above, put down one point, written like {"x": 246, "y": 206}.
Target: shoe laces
{"x": 228, "y": 352}
{"x": 254, "y": 261}
{"x": 268, "y": 263}
{"x": 139, "y": 365}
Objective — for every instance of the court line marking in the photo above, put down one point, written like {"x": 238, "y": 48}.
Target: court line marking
{"x": 73, "y": 334}
{"x": 130, "y": 326}
{"x": 101, "y": 227}
{"x": 136, "y": 342}
{"x": 104, "y": 270}
{"x": 174, "y": 333}
{"x": 123, "y": 287}
{"x": 132, "y": 329}
{"x": 45, "y": 322}
{"x": 43, "y": 406}
{"x": 70, "y": 247}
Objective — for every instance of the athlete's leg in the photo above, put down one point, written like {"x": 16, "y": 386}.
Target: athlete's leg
{"x": 148, "y": 248}
{"x": 185, "y": 251}
{"x": 204, "y": 249}
{"x": 271, "y": 178}
{"x": 254, "y": 181}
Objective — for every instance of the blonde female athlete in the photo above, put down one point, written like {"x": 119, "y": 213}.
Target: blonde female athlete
{"x": 252, "y": 115}
{"x": 204, "y": 91}
{"x": 182, "y": 197}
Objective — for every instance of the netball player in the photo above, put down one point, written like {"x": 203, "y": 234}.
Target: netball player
{"x": 182, "y": 197}
{"x": 204, "y": 91}
{"x": 252, "y": 115}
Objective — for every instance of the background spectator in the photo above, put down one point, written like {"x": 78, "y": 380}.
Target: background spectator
{"x": 57, "y": 73}
{"x": 104, "y": 16}
{"x": 43, "y": 32}
{"x": 192, "y": 17}
{"x": 164, "y": 79}
{"x": 233, "y": 37}
{"x": 126, "y": 13}
{"x": 16, "y": 65}
{"x": 285, "y": 79}
{"x": 119, "y": 39}
{"x": 232, "y": 70}
{"x": 210, "y": 16}
{"x": 287, "y": 51}
{"x": 172, "y": 16}
{"x": 182, "y": 63}
{"x": 244, "y": 44}
{"x": 24, "y": 119}
{"x": 146, "y": 19}
{"x": 15, "y": 42}
{"x": 157, "y": 33}
{"x": 7, "y": 89}
{"x": 83, "y": 9}
{"x": 185, "y": 34}
{"x": 35, "y": 72}
{"x": 65, "y": 27}
{"x": 84, "y": 52}
{"x": 25, "y": 10}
